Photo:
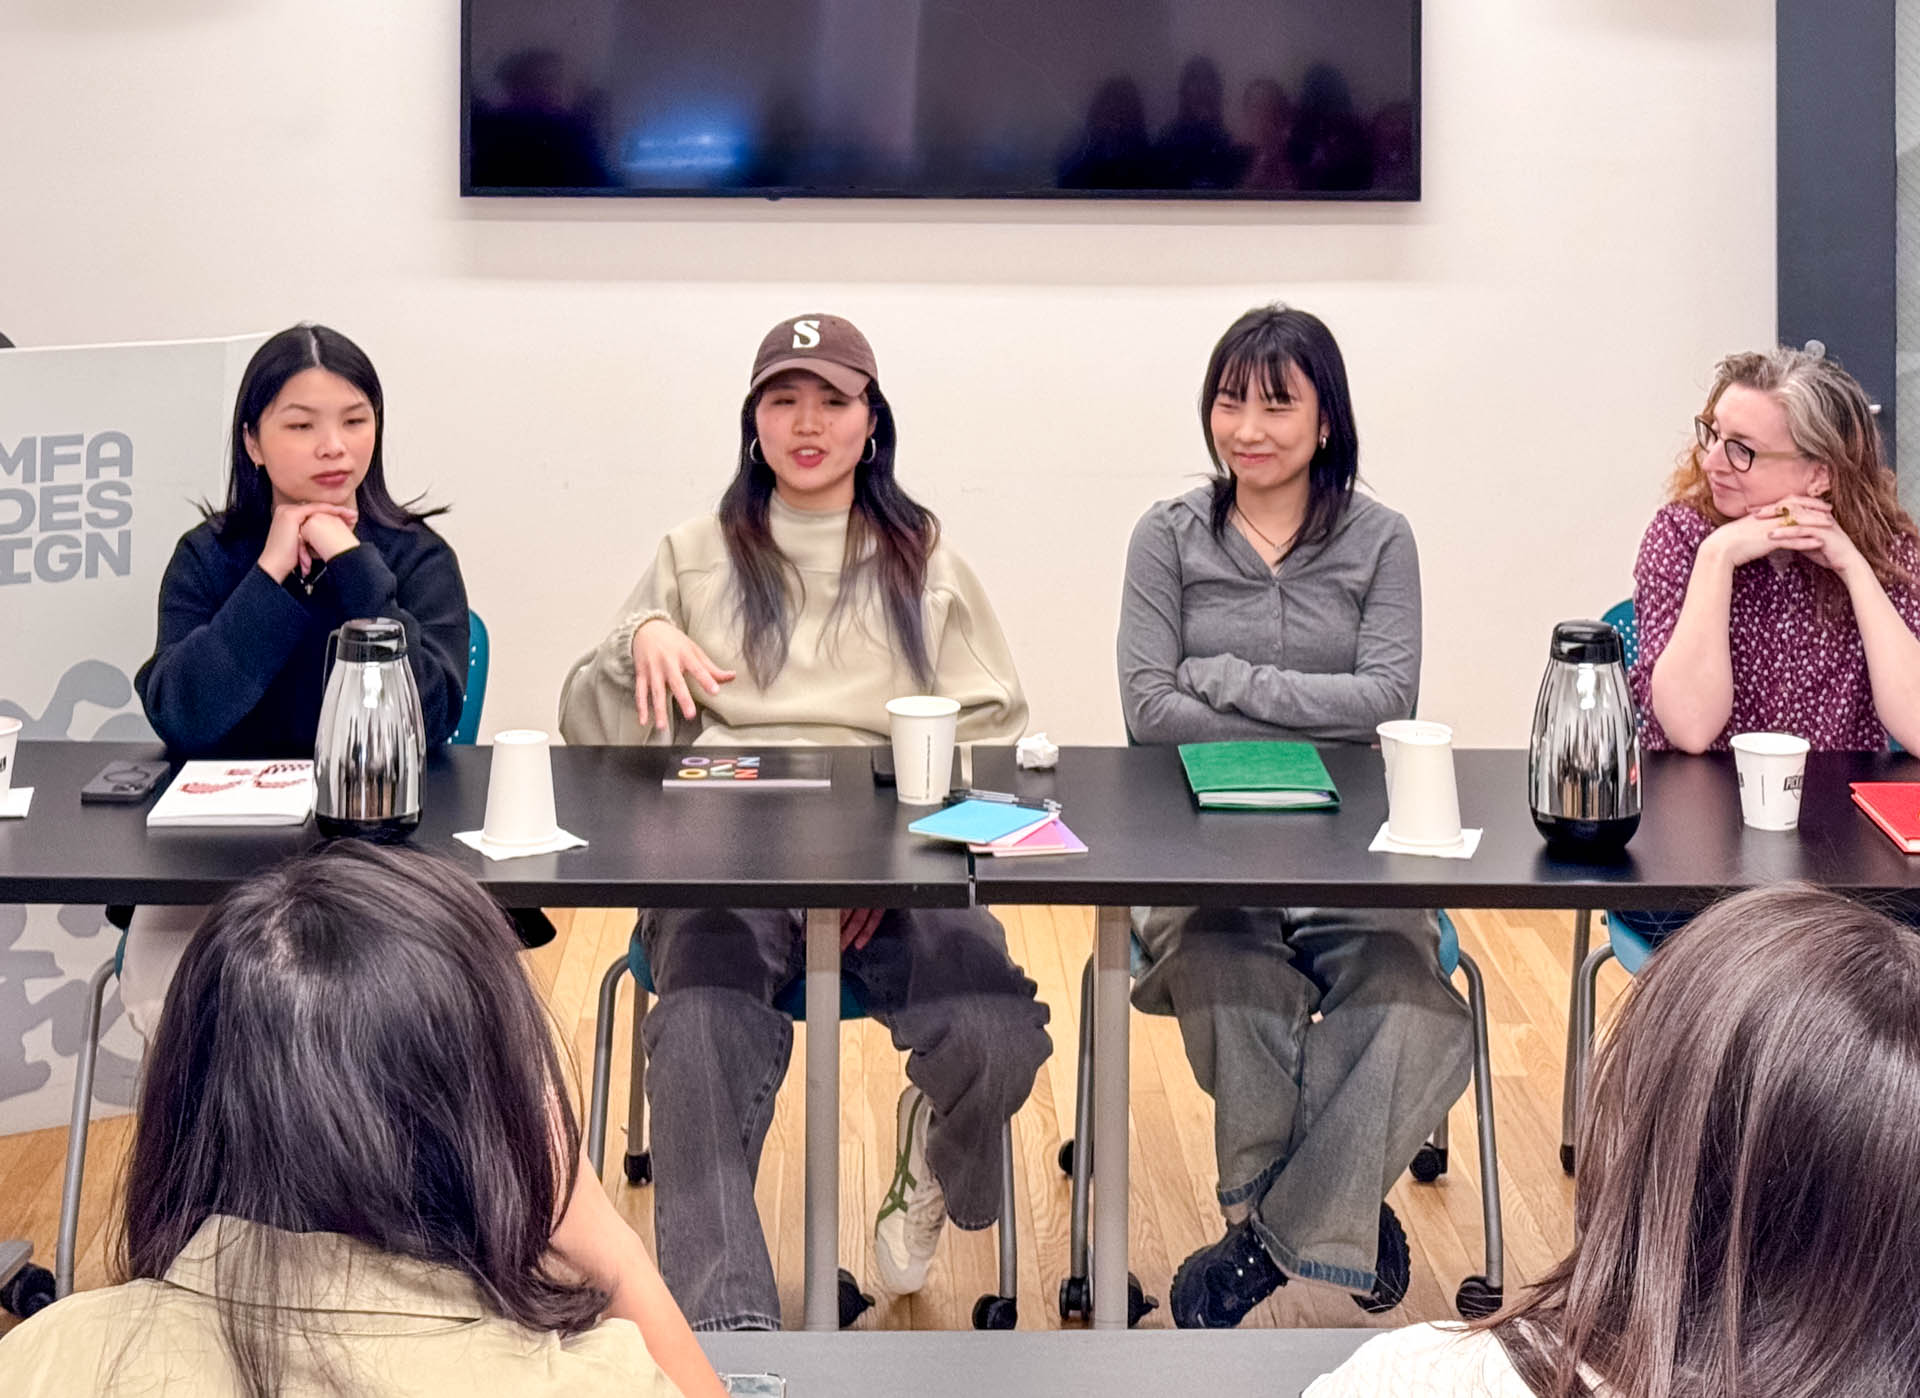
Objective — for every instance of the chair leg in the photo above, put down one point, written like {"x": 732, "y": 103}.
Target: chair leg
{"x": 602, "y": 1064}
{"x": 1076, "y": 1289}
{"x": 77, "y": 1124}
{"x": 1570, "y": 1086}
{"x": 1494, "y": 1276}
{"x": 1438, "y": 1140}
{"x": 1001, "y": 1311}
{"x": 1586, "y": 993}
{"x": 639, "y": 1161}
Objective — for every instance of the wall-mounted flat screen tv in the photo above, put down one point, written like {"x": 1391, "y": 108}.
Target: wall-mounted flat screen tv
{"x": 1111, "y": 99}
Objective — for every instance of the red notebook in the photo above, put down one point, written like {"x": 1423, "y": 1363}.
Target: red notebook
{"x": 1895, "y": 808}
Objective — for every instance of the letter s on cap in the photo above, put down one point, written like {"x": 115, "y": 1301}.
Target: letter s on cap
{"x": 806, "y": 334}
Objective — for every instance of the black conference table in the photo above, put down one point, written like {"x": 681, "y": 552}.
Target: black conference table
{"x": 849, "y": 847}
{"x": 1148, "y": 843}
{"x": 845, "y": 847}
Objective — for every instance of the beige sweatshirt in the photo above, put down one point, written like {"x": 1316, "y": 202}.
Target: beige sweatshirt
{"x": 837, "y": 680}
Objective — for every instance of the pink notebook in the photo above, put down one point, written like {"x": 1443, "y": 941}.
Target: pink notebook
{"x": 1051, "y": 838}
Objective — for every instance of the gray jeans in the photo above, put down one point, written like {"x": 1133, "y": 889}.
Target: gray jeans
{"x": 1313, "y": 1120}
{"x": 966, "y": 1016}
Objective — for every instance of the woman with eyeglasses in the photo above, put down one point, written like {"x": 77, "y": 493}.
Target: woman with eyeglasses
{"x": 1778, "y": 590}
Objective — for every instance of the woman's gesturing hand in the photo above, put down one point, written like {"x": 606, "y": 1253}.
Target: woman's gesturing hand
{"x": 663, "y": 657}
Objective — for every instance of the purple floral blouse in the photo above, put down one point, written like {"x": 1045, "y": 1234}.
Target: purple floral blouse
{"x": 1793, "y": 671}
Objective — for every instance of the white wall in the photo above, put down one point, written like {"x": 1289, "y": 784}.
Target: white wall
{"x": 1526, "y": 345}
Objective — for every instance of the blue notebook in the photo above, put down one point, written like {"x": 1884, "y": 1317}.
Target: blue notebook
{"x": 980, "y": 822}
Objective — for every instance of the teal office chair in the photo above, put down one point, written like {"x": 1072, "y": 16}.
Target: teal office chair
{"x": 467, "y": 731}
{"x": 998, "y": 1312}
{"x": 1623, "y": 942}
{"x": 1479, "y": 1295}
{"x": 122, "y": 917}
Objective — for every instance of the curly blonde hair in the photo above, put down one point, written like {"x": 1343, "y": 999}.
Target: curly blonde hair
{"x": 1830, "y": 421}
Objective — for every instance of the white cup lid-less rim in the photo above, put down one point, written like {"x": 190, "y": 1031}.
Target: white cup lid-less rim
{"x": 923, "y": 706}
{"x": 1771, "y": 744}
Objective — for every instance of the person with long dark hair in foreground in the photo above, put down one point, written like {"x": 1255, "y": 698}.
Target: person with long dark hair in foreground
{"x": 356, "y": 1169}
{"x": 1748, "y": 1204}
{"x": 819, "y": 591}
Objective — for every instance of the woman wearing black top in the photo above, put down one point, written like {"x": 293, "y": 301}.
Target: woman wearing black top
{"x": 309, "y": 538}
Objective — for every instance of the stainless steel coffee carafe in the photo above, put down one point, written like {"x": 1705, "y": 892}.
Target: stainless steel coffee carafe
{"x": 372, "y": 743}
{"x": 1583, "y": 779}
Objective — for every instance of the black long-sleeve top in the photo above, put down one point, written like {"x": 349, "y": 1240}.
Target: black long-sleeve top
{"x": 239, "y": 667}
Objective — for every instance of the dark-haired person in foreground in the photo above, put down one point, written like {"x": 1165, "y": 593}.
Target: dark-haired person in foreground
{"x": 1748, "y": 1203}
{"x": 356, "y": 1169}
{"x": 818, "y": 592}
{"x": 309, "y": 537}
{"x": 1275, "y": 603}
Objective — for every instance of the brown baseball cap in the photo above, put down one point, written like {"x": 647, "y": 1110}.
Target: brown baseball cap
{"x": 825, "y": 345}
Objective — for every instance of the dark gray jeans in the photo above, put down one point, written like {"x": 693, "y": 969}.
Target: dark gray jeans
{"x": 966, "y": 1016}
{"x": 1313, "y": 1120}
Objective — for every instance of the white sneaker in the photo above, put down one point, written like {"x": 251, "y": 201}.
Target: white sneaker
{"x": 908, "y": 1227}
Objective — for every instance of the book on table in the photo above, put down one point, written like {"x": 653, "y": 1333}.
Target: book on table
{"x": 1051, "y": 837}
{"x": 982, "y": 822}
{"x": 785, "y": 769}
{"x": 233, "y": 793}
{"x": 1894, "y": 807}
{"x": 1259, "y": 775}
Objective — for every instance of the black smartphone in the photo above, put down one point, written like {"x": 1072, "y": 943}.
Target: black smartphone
{"x": 124, "y": 783}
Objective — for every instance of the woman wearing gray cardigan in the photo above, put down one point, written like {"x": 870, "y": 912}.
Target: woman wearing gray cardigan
{"x": 1274, "y": 602}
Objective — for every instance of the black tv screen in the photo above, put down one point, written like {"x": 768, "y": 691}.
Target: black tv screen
{"x": 1131, "y": 99}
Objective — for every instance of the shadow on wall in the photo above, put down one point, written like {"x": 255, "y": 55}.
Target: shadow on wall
{"x": 99, "y": 684}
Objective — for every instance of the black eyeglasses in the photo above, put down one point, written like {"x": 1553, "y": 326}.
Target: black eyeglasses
{"x": 1740, "y": 456}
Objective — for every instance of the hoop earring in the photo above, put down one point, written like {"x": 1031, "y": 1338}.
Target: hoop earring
{"x": 873, "y": 450}
{"x": 753, "y": 452}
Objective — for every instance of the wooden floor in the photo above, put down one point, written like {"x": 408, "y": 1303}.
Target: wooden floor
{"x": 1524, "y": 956}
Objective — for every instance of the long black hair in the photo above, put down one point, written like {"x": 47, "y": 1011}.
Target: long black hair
{"x": 350, "y": 1046}
{"x": 1747, "y": 1212}
{"x": 1256, "y": 351}
{"x": 890, "y": 537}
{"x": 249, "y": 507}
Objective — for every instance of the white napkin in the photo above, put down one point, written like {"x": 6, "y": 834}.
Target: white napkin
{"x": 1035, "y": 753}
{"x": 13, "y": 805}
{"x": 477, "y": 839}
{"x": 1469, "y": 841}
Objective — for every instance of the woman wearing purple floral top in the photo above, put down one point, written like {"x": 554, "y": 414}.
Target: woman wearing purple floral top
{"x": 1777, "y": 590}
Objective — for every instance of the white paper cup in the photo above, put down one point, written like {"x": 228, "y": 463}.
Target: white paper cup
{"x": 923, "y": 727}
{"x": 520, "y": 789}
{"x": 9, "y": 751}
{"x": 1771, "y": 767}
{"x": 1423, "y": 799}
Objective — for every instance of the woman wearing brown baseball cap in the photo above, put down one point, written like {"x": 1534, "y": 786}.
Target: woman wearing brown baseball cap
{"x": 819, "y": 591}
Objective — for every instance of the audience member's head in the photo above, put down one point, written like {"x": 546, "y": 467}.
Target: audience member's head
{"x": 1748, "y": 1203}
{"x": 350, "y": 1047}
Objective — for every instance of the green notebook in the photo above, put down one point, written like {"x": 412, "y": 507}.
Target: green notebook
{"x": 1258, "y": 776}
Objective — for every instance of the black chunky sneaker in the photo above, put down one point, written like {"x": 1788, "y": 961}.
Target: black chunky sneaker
{"x": 1216, "y": 1287}
{"x": 1393, "y": 1269}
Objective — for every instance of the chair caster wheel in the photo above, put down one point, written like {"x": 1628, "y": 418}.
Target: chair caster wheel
{"x": 1429, "y": 1164}
{"x": 995, "y": 1313}
{"x": 1566, "y": 1159}
{"x": 1065, "y": 1157}
{"x": 1076, "y": 1299}
{"x": 28, "y": 1291}
{"x": 1139, "y": 1304}
{"x": 640, "y": 1168}
{"x": 1477, "y": 1297}
{"x": 854, "y": 1302}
